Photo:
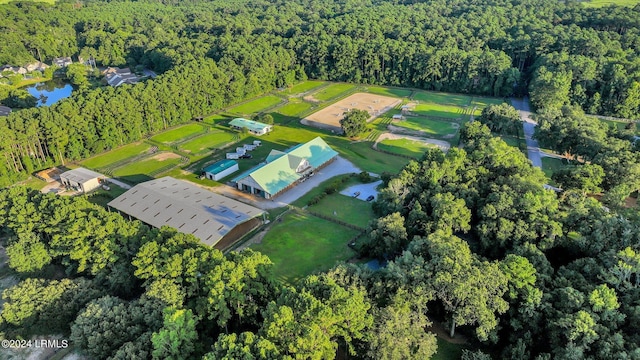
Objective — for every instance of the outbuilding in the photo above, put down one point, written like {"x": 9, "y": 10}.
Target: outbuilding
{"x": 81, "y": 179}
{"x": 220, "y": 169}
{"x": 254, "y": 127}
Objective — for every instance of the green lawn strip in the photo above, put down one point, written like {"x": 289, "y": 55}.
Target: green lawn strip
{"x": 551, "y": 165}
{"x": 332, "y": 91}
{"x": 178, "y": 133}
{"x": 116, "y": 155}
{"x": 209, "y": 141}
{"x": 366, "y": 158}
{"x": 431, "y": 127}
{"x": 406, "y": 147}
{"x": 102, "y": 197}
{"x": 438, "y": 110}
{"x": 304, "y": 199}
{"x": 448, "y": 351}
{"x": 257, "y": 105}
{"x": 303, "y": 87}
{"x": 442, "y": 98}
{"x": 215, "y": 118}
{"x": 302, "y": 244}
{"x": 33, "y": 182}
{"x": 144, "y": 167}
{"x": 345, "y": 208}
{"x": 294, "y": 108}
{"x": 602, "y": 3}
{"x": 388, "y": 91}
{"x": 483, "y": 102}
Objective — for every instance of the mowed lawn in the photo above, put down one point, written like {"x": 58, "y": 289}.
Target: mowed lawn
{"x": 393, "y": 92}
{"x": 437, "y": 110}
{"x": 332, "y": 91}
{"x": 480, "y": 103}
{"x": 302, "y": 244}
{"x": 406, "y": 147}
{"x": 116, "y": 155}
{"x": 212, "y": 119}
{"x": 442, "y": 98}
{"x": 257, "y": 105}
{"x": 143, "y": 170}
{"x": 366, "y": 158}
{"x": 294, "y": 108}
{"x": 432, "y": 127}
{"x": 209, "y": 141}
{"x": 551, "y": 165}
{"x": 348, "y": 209}
{"x": 303, "y": 87}
{"x": 178, "y": 133}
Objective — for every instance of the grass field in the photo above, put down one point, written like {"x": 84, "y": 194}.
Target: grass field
{"x": 212, "y": 119}
{"x": 442, "y": 98}
{"x": 178, "y": 133}
{"x": 303, "y": 87}
{"x": 303, "y": 244}
{"x": 257, "y": 105}
{"x": 405, "y": 147}
{"x": 480, "y": 103}
{"x": 294, "y": 108}
{"x": 140, "y": 170}
{"x": 379, "y": 90}
{"x": 602, "y": 3}
{"x": 432, "y": 127}
{"x": 347, "y": 209}
{"x": 332, "y": 91}
{"x": 209, "y": 141}
{"x": 551, "y": 165}
{"x": 363, "y": 156}
{"x": 438, "y": 110}
{"x": 116, "y": 155}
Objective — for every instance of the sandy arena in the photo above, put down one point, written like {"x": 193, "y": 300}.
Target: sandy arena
{"x": 329, "y": 117}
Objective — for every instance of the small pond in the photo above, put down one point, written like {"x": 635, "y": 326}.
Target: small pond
{"x": 50, "y": 92}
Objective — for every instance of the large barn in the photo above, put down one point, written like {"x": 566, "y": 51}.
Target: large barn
{"x": 283, "y": 170}
{"x": 81, "y": 179}
{"x": 215, "y": 219}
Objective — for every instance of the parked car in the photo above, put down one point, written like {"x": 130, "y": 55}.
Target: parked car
{"x": 370, "y": 197}
{"x": 245, "y": 156}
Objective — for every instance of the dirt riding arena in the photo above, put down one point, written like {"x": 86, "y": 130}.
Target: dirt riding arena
{"x": 329, "y": 117}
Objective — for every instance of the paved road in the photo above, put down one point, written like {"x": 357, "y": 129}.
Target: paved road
{"x": 529, "y": 126}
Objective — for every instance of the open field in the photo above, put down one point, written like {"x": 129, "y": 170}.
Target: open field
{"x": 116, "y": 155}
{"x": 257, "y": 105}
{"x": 211, "y": 140}
{"x": 178, "y": 133}
{"x": 294, "y": 108}
{"x": 347, "y": 209}
{"x": 602, "y": 3}
{"x": 212, "y": 119}
{"x": 406, "y": 147}
{"x": 332, "y": 91}
{"x": 551, "y": 165}
{"x": 480, "y": 103}
{"x": 387, "y": 91}
{"x": 303, "y": 87}
{"x": 438, "y": 110}
{"x": 442, "y": 98}
{"x": 428, "y": 126}
{"x": 330, "y": 116}
{"x": 143, "y": 170}
{"x": 366, "y": 158}
{"x": 302, "y": 244}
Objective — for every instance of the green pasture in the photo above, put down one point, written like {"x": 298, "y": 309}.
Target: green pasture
{"x": 212, "y": 119}
{"x": 332, "y": 91}
{"x": 431, "y": 127}
{"x": 480, "y": 103}
{"x": 438, "y": 110}
{"x": 442, "y": 98}
{"x": 348, "y": 209}
{"x": 406, "y": 147}
{"x": 303, "y": 87}
{"x": 603, "y": 3}
{"x": 294, "y": 108}
{"x": 178, "y": 133}
{"x": 362, "y": 155}
{"x": 119, "y": 154}
{"x": 302, "y": 244}
{"x": 393, "y": 92}
{"x": 139, "y": 171}
{"x": 209, "y": 141}
{"x": 257, "y": 105}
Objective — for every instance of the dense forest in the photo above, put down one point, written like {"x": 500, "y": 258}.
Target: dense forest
{"x": 221, "y": 52}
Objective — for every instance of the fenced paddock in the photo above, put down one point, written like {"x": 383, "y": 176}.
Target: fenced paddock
{"x": 329, "y": 117}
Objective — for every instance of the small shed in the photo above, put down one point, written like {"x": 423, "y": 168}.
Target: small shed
{"x": 233, "y": 156}
{"x": 397, "y": 117}
{"x": 220, "y": 169}
{"x": 81, "y": 179}
{"x": 254, "y": 127}
{"x": 5, "y": 111}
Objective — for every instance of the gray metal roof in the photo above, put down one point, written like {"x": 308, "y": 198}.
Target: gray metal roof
{"x": 81, "y": 175}
{"x": 5, "y": 111}
{"x": 185, "y": 207}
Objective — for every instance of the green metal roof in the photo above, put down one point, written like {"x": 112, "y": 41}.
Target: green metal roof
{"x": 276, "y": 175}
{"x": 220, "y": 166}
{"x": 249, "y": 124}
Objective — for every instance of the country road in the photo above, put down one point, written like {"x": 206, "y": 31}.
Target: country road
{"x": 529, "y": 125}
